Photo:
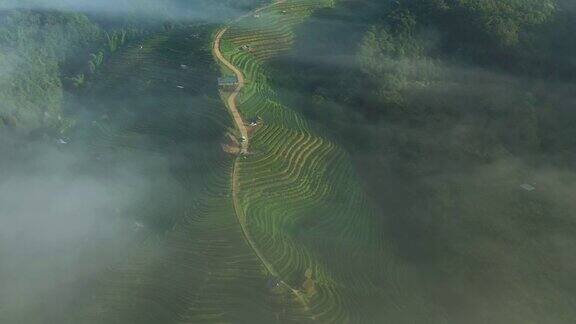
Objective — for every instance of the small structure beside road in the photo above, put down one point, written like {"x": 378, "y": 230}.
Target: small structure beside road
{"x": 527, "y": 187}
{"x": 227, "y": 82}
{"x": 255, "y": 121}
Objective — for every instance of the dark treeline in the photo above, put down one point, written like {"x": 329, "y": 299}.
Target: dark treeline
{"x": 43, "y": 54}
{"x": 459, "y": 116}
{"x": 33, "y": 45}
{"x": 49, "y": 49}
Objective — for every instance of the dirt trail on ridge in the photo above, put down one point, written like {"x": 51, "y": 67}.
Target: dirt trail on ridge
{"x": 231, "y": 103}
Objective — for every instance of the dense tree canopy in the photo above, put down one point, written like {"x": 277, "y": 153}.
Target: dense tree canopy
{"x": 499, "y": 20}
{"x": 447, "y": 107}
{"x": 47, "y": 45}
{"x": 32, "y": 47}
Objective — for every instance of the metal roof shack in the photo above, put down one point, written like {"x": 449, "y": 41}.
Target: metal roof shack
{"x": 227, "y": 81}
{"x": 255, "y": 121}
{"x": 527, "y": 187}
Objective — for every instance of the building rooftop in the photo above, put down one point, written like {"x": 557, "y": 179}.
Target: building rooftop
{"x": 225, "y": 81}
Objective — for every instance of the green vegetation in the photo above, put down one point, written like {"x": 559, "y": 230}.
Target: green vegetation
{"x": 42, "y": 53}
{"x": 32, "y": 47}
{"x": 300, "y": 195}
{"x": 193, "y": 254}
{"x": 187, "y": 260}
{"x": 499, "y": 22}
{"x": 47, "y": 49}
{"x": 447, "y": 108}
{"x": 412, "y": 161}
{"x": 524, "y": 37}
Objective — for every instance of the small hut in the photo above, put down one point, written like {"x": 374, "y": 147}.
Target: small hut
{"x": 527, "y": 187}
{"x": 253, "y": 122}
{"x": 227, "y": 82}
{"x": 246, "y": 48}
{"x": 272, "y": 283}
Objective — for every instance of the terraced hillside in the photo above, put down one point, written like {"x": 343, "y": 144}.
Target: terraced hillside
{"x": 189, "y": 263}
{"x": 282, "y": 234}
{"x": 299, "y": 196}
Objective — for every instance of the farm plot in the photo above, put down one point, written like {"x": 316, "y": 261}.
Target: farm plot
{"x": 191, "y": 264}
{"x": 300, "y": 196}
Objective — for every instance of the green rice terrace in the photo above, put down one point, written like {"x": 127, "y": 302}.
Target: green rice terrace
{"x": 297, "y": 196}
{"x": 280, "y": 232}
{"x": 193, "y": 265}
{"x": 254, "y": 214}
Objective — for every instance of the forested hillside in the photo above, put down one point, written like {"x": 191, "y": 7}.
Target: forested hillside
{"x": 33, "y": 47}
{"x": 459, "y": 114}
{"x": 50, "y": 48}
{"x": 110, "y": 128}
{"x": 387, "y": 161}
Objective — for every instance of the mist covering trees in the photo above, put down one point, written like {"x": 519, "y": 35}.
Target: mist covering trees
{"x": 48, "y": 47}
{"x": 447, "y": 107}
{"x": 44, "y": 54}
{"x": 499, "y": 70}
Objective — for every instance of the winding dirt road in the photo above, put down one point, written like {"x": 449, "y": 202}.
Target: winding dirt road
{"x": 231, "y": 102}
{"x": 245, "y": 143}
